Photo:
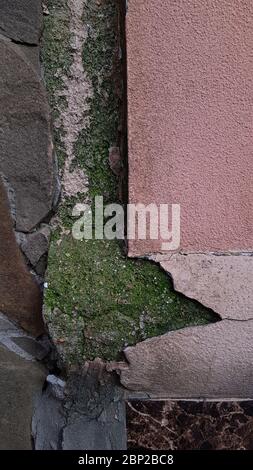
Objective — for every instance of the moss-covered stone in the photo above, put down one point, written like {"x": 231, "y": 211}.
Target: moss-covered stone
{"x": 97, "y": 300}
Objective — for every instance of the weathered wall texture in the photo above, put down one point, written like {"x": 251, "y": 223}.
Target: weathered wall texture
{"x": 213, "y": 361}
{"x": 190, "y": 118}
{"x": 190, "y": 425}
{"x": 20, "y": 296}
{"x": 97, "y": 301}
{"x": 190, "y": 113}
{"x": 190, "y": 143}
{"x": 86, "y": 413}
{"x": 21, "y": 382}
{"x": 21, "y": 20}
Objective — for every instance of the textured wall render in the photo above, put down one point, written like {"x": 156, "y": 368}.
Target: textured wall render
{"x": 190, "y": 116}
{"x": 190, "y": 143}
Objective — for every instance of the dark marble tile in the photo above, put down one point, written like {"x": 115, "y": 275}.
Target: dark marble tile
{"x": 189, "y": 425}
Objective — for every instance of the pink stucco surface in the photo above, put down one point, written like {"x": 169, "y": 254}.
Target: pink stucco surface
{"x": 190, "y": 118}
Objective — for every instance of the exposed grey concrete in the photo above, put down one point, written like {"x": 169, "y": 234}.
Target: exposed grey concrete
{"x": 213, "y": 361}
{"x": 21, "y": 383}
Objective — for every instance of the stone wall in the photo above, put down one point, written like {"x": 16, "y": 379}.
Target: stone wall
{"x": 97, "y": 301}
{"x": 29, "y": 187}
{"x": 195, "y": 123}
{"x": 28, "y": 194}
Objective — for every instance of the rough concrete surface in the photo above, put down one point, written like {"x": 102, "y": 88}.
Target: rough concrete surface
{"x": 222, "y": 283}
{"x": 26, "y": 150}
{"x": 190, "y": 85}
{"x": 214, "y": 361}
{"x": 21, "y": 383}
{"x": 21, "y": 20}
{"x": 77, "y": 92}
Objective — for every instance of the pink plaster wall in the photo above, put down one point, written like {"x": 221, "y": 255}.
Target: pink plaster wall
{"x": 190, "y": 118}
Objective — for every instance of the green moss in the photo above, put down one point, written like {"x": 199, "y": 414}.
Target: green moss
{"x": 56, "y": 51}
{"x": 114, "y": 301}
{"x": 97, "y": 300}
{"x": 56, "y": 58}
{"x": 101, "y": 64}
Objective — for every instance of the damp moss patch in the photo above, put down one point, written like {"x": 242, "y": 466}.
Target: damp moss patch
{"x": 98, "y": 301}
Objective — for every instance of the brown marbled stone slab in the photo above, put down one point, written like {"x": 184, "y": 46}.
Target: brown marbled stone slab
{"x": 190, "y": 425}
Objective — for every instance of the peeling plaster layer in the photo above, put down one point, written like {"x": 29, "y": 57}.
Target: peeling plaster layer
{"x": 222, "y": 283}
{"x": 190, "y": 142}
{"x": 199, "y": 362}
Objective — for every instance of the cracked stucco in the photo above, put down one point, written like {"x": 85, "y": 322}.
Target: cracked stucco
{"x": 196, "y": 126}
{"x": 96, "y": 300}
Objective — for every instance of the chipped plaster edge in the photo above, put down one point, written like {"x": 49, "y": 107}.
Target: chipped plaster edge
{"x": 222, "y": 283}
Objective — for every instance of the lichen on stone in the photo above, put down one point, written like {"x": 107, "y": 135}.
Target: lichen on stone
{"x": 97, "y": 300}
